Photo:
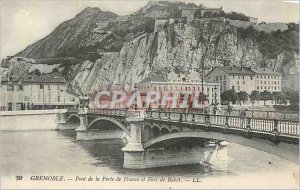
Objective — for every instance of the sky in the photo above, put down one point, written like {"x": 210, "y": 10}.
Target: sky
{"x": 23, "y": 22}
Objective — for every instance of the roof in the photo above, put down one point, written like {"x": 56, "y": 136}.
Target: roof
{"x": 264, "y": 71}
{"x": 45, "y": 78}
{"x": 234, "y": 70}
{"x": 152, "y": 78}
{"x": 190, "y": 8}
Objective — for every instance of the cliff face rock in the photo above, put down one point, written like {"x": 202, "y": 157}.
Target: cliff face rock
{"x": 180, "y": 47}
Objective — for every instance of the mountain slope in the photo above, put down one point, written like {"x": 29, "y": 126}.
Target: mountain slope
{"x": 69, "y": 36}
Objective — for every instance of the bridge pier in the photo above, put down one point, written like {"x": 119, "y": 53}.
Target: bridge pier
{"x": 81, "y": 131}
{"x": 134, "y": 150}
{"x": 219, "y": 157}
{"x": 62, "y": 123}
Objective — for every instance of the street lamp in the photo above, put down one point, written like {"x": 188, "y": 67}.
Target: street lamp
{"x": 215, "y": 88}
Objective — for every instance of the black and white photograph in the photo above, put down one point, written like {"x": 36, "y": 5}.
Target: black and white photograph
{"x": 149, "y": 94}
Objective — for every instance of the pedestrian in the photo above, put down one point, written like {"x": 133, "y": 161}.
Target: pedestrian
{"x": 229, "y": 109}
{"x": 215, "y": 110}
{"x": 243, "y": 115}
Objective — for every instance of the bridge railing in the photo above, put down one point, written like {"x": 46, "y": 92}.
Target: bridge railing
{"x": 117, "y": 112}
{"x": 263, "y": 125}
{"x": 289, "y": 115}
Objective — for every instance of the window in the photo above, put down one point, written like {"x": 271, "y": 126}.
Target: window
{"x": 49, "y": 87}
{"x": 238, "y": 77}
{"x": 194, "y": 88}
{"x": 41, "y": 86}
{"x": 232, "y": 87}
{"x": 58, "y": 98}
{"x": 243, "y": 82}
{"x": 217, "y": 78}
{"x": 244, "y": 77}
{"x": 265, "y": 76}
{"x": 257, "y": 76}
{"x": 257, "y": 87}
{"x": 233, "y": 76}
{"x": 10, "y": 87}
{"x": 261, "y": 87}
{"x": 275, "y": 87}
{"x": 265, "y": 82}
{"x": 261, "y": 76}
{"x": 238, "y": 82}
{"x": 268, "y": 77}
{"x": 251, "y": 77}
{"x": 238, "y": 87}
{"x": 20, "y": 87}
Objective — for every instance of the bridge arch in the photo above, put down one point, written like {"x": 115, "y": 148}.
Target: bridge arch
{"x": 111, "y": 120}
{"x": 147, "y": 132}
{"x": 164, "y": 131}
{"x": 174, "y": 131}
{"x": 155, "y": 131}
{"x": 73, "y": 116}
{"x": 284, "y": 150}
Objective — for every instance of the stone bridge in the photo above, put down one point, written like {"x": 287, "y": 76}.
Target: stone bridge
{"x": 165, "y": 138}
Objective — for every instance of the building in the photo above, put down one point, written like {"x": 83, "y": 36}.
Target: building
{"x": 244, "y": 79}
{"x": 189, "y": 12}
{"x": 36, "y": 92}
{"x": 266, "y": 79}
{"x": 253, "y": 20}
{"x": 236, "y": 78}
{"x": 181, "y": 82}
{"x": 291, "y": 82}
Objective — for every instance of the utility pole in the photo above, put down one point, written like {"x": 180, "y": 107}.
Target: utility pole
{"x": 43, "y": 96}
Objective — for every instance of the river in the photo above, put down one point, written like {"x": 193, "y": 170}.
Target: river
{"x": 57, "y": 152}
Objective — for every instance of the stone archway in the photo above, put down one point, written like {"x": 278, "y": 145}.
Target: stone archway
{"x": 164, "y": 131}
{"x": 155, "y": 132}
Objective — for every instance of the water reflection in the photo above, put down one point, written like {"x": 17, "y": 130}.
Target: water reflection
{"x": 53, "y": 152}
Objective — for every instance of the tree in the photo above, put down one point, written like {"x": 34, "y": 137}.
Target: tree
{"x": 242, "y": 96}
{"x": 293, "y": 97}
{"x": 229, "y": 95}
{"x": 37, "y": 72}
{"x": 208, "y": 14}
{"x": 198, "y": 14}
{"x": 254, "y": 96}
{"x": 266, "y": 95}
{"x": 55, "y": 70}
{"x": 282, "y": 97}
